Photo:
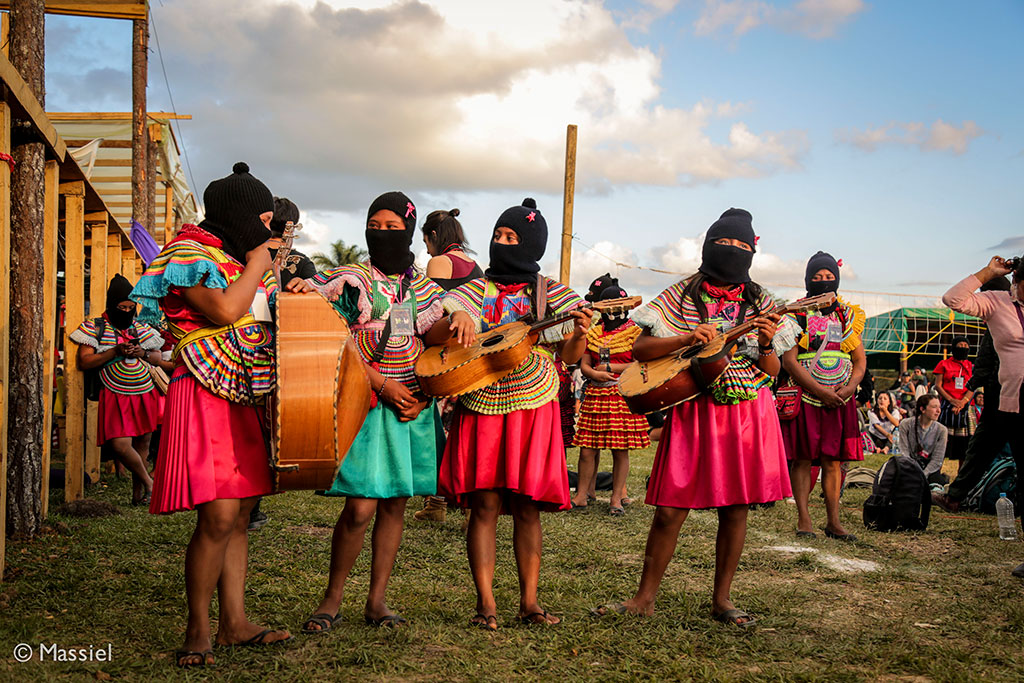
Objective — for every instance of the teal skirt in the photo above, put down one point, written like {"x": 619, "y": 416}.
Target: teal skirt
{"x": 392, "y": 459}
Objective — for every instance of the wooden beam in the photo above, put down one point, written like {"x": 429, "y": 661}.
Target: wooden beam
{"x": 113, "y": 116}
{"x": 50, "y": 210}
{"x": 97, "y": 302}
{"x": 113, "y": 256}
{"x": 75, "y": 143}
{"x": 568, "y": 194}
{"x": 5, "y": 306}
{"x": 107, "y": 179}
{"x": 128, "y": 263}
{"x": 113, "y": 162}
{"x": 5, "y": 34}
{"x": 107, "y": 9}
{"x": 74, "y": 314}
{"x": 168, "y": 214}
{"x": 26, "y": 101}
{"x": 141, "y": 189}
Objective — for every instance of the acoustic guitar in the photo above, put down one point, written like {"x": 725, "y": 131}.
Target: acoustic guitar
{"x": 452, "y": 369}
{"x": 654, "y": 385}
{"x": 323, "y": 393}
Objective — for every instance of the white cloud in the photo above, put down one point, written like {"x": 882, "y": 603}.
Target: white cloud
{"x": 940, "y": 136}
{"x": 816, "y": 19}
{"x": 330, "y": 103}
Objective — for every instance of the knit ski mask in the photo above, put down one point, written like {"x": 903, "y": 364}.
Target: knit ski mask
{"x": 724, "y": 262}
{"x": 613, "y": 321}
{"x": 120, "y": 289}
{"x": 822, "y": 261}
{"x": 961, "y": 353}
{"x": 233, "y": 207}
{"x": 390, "y": 250}
{"x": 517, "y": 263}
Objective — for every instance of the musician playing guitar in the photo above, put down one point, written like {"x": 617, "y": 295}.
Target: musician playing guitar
{"x": 722, "y": 449}
{"x": 505, "y": 452}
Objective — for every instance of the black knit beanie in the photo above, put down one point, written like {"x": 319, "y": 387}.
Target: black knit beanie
{"x": 735, "y": 224}
{"x": 233, "y": 206}
{"x": 390, "y": 249}
{"x": 725, "y": 262}
{"x": 599, "y": 285}
{"x": 821, "y": 260}
{"x": 119, "y": 290}
{"x": 285, "y": 212}
{"x": 514, "y": 263}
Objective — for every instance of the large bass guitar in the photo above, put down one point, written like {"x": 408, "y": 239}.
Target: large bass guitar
{"x": 323, "y": 394}
{"x": 680, "y": 376}
{"x": 452, "y": 369}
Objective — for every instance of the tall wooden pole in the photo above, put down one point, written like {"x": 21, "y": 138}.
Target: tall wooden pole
{"x": 5, "y": 302}
{"x": 74, "y": 314}
{"x": 28, "y": 180}
{"x": 50, "y": 315}
{"x": 569, "y": 191}
{"x": 141, "y": 190}
{"x": 98, "y": 279}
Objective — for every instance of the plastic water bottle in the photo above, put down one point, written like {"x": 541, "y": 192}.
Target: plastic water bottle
{"x": 1007, "y": 523}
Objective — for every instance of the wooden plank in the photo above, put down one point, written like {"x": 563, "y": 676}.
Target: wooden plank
{"x": 107, "y": 179}
{"x": 26, "y": 100}
{"x": 168, "y": 214}
{"x": 75, "y": 143}
{"x": 128, "y": 263}
{"x": 113, "y": 162}
{"x": 5, "y": 305}
{"x": 113, "y": 256}
{"x": 50, "y": 210}
{"x": 113, "y": 116}
{"x": 568, "y": 194}
{"x": 74, "y": 313}
{"x": 108, "y": 9}
{"x": 5, "y": 34}
{"x": 97, "y": 302}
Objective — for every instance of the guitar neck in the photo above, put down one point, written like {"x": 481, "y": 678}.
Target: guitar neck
{"x": 542, "y": 325}
{"x": 812, "y": 303}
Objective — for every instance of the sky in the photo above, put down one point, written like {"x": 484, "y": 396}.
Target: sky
{"x": 886, "y": 133}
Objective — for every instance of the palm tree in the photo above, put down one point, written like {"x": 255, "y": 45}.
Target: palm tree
{"x": 341, "y": 254}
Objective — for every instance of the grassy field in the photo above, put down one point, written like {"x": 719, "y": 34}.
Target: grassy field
{"x": 934, "y": 606}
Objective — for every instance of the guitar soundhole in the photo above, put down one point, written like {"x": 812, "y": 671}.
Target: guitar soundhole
{"x": 493, "y": 341}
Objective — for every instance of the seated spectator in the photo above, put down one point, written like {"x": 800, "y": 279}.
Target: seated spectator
{"x": 979, "y": 402}
{"x": 883, "y": 423}
{"x": 924, "y": 439}
{"x": 906, "y": 393}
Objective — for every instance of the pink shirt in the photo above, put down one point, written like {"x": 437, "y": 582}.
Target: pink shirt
{"x": 998, "y": 310}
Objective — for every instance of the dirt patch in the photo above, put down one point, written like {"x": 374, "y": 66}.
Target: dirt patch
{"x": 846, "y": 565}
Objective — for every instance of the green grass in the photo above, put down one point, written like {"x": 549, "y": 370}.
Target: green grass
{"x": 942, "y": 605}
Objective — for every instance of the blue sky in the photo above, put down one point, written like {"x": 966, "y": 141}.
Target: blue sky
{"x": 887, "y": 133}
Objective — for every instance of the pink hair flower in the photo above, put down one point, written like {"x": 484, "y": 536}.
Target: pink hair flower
{"x": 839, "y": 263}
{"x": 532, "y": 216}
{"x": 410, "y": 210}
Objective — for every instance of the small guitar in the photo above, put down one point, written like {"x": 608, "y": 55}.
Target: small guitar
{"x": 453, "y": 369}
{"x": 680, "y": 376}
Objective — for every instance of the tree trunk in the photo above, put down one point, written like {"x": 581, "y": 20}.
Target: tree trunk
{"x": 25, "y": 417}
{"x": 141, "y": 194}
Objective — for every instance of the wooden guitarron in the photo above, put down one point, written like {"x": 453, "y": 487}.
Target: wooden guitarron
{"x": 680, "y": 376}
{"x": 453, "y": 369}
{"x": 323, "y": 394}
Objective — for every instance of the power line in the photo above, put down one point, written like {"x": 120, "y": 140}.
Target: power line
{"x": 170, "y": 96}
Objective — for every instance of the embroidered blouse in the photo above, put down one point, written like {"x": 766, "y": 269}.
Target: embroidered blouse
{"x": 236, "y": 362}
{"x": 618, "y": 344}
{"x": 128, "y": 376}
{"x": 364, "y": 296}
{"x": 673, "y": 313}
{"x": 535, "y": 382}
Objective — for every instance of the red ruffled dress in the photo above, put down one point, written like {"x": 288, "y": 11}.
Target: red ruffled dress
{"x": 507, "y": 437}
{"x": 605, "y": 419}
{"x": 130, "y": 405}
{"x": 212, "y": 446}
{"x": 724, "y": 447}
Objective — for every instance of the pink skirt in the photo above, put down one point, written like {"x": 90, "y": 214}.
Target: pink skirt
{"x": 830, "y": 433}
{"x": 518, "y": 453}
{"x": 713, "y": 455}
{"x": 123, "y": 415}
{"x": 210, "y": 449}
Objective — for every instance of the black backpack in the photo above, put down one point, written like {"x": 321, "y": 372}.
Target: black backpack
{"x": 92, "y": 380}
{"x": 900, "y": 499}
{"x": 1001, "y": 477}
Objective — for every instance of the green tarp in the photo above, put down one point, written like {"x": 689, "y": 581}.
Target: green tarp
{"x": 919, "y": 330}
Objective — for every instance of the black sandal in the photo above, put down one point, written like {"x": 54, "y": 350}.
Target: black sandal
{"x": 206, "y": 658}
{"x": 258, "y": 640}
{"x": 531, "y": 619}
{"x": 734, "y": 616}
{"x": 610, "y": 608}
{"x": 389, "y": 621}
{"x": 847, "y": 538}
{"x": 484, "y": 621}
{"x": 322, "y": 619}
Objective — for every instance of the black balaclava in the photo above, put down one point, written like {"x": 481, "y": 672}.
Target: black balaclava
{"x": 599, "y": 285}
{"x": 233, "y": 207}
{"x": 120, "y": 289}
{"x": 613, "y": 321}
{"x": 724, "y": 262}
{"x": 822, "y": 260}
{"x": 961, "y": 354}
{"x": 518, "y": 263}
{"x": 390, "y": 250}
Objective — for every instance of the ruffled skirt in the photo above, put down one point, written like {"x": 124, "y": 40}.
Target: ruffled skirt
{"x": 818, "y": 432}
{"x": 607, "y": 422}
{"x": 128, "y": 415}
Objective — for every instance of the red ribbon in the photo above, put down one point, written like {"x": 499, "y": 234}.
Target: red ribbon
{"x": 728, "y": 294}
{"x": 504, "y": 291}
{"x": 9, "y": 159}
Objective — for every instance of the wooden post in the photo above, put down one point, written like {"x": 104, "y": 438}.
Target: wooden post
{"x": 151, "y": 158}
{"x": 568, "y": 194}
{"x": 5, "y": 303}
{"x": 168, "y": 214}
{"x": 97, "y": 303}
{"x": 141, "y": 190}
{"x": 113, "y": 254}
{"x": 5, "y": 33}
{"x": 74, "y": 313}
{"x": 50, "y": 215}
{"x": 128, "y": 263}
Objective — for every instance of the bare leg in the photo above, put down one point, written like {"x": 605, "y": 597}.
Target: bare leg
{"x": 346, "y": 544}
{"x": 732, "y": 532}
{"x": 142, "y": 483}
{"x": 800, "y": 477}
{"x": 485, "y": 507}
{"x": 831, "y": 483}
{"x": 527, "y": 540}
{"x": 588, "y": 471}
{"x": 661, "y": 543}
{"x": 620, "y": 470}
{"x": 233, "y": 626}
{"x": 387, "y": 536}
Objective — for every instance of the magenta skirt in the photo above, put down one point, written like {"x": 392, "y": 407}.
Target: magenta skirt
{"x": 713, "y": 455}
{"x": 518, "y": 453}
{"x": 830, "y": 433}
{"x": 210, "y": 449}
{"x": 123, "y": 415}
